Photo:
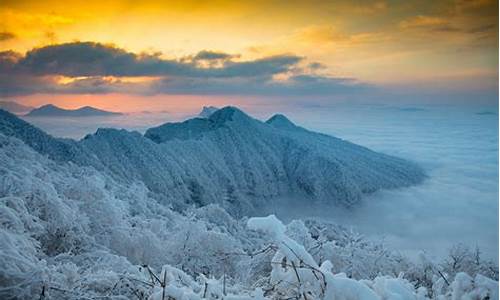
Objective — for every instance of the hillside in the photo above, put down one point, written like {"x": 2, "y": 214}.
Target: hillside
{"x": 85, "y": 219}
{"x": 230, "y": 159}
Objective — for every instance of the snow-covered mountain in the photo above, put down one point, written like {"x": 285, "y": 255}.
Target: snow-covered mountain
{"x": 83, "y": 220}
{"x": 230, "y": 159}
{"x": 51, "y": 110}
{"x": 207, "y": 111}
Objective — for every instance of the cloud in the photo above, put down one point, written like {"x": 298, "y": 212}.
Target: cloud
{"x": 89, "y": 67}
{"x": 317, "y": 66}
{"x": 212, "y": 55}
{"x": 458, "y": 203}
{"x": 327, "y": 35}
{"x": 320, "y": 34}
{"x": 483, "y": 28}
{"x": 423, "y": 21}
{"x": 6, "y": 36}
{"x": 449, "y": 24}
{"x": 297, "y": 85}
{"x": 8, "y": 60}
{"x": 95, "y": 59}
{"x": 459, "y": 150}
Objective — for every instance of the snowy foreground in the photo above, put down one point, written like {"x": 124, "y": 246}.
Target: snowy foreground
{"x": 69, "y": 231}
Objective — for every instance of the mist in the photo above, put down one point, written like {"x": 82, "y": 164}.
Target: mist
{"x": 456, "y": 145}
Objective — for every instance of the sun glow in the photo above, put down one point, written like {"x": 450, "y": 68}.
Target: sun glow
{"x": 378, "y": 43}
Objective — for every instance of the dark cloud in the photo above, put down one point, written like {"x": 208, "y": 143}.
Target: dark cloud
{"x": 295, "y": 85}
{"x": 483, "y": 28}
{"x": 488, "y": 28}
{"x": 94, "y": 59}
{"x": 212, "y": 55}
{"x": 36, "y": 72}
{"x": 8, "y": 61}
{"x": 5, "y": 36}
{"x": 260, "y": 67}
{"x": 445, "y": 28}
{"x": 14, "y": 84}
{"x": 316, "y": 66}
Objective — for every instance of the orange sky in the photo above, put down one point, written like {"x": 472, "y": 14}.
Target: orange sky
{"x": 381, "y": 43}
{"x": 115, "y": 102}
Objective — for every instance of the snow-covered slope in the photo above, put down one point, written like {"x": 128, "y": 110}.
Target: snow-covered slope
{"x": 69, "y": 231}
{"x": 281, "y": 122}
{"x": 207, "y": 111}
{"x": 230, "y": 159}
{"x": 277, "y": 157}
{"x": 56, "y": 149}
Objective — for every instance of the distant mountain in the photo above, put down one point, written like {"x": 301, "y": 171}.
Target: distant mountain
{"x": 207, "y": 111}
{"x": 230, "y": 159}
{"x": 51, "y": 110}
{"x": 15, "y": 107}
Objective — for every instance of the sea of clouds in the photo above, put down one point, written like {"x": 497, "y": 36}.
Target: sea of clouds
{"x": 457, "y": 146}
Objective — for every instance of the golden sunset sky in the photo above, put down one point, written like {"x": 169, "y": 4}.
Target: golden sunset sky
{"x": 122, "y": 54}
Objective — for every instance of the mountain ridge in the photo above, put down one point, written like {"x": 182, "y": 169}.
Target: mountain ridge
{"x": 230, "y": 159}
{"x": 50, "y": 110}
{"x": 206, "y": 111}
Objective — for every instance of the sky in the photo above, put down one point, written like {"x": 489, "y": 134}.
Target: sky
{"x": 399, "y": 77}
{"x": 134, "y": 56}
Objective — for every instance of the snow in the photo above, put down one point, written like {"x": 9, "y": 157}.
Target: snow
{"x": 282, "y": 122}
{"x": 269, "y": 224}
{"x": 88, "y": 219}
{"x": 295, "y": 274}
{"x": 230, "y": 159}
{"x": 207, "y": 111}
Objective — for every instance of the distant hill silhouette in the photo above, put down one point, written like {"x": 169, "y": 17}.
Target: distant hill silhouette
{"x": 51, "y": 110}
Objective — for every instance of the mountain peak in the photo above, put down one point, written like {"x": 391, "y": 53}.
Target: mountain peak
{"x": 50, "y": 105}
{"x": 207, "y": 111}
{"x": 228, "y": 113}
{"x": 195, "y": 128}
{"x": 251, "y": 159}
{"x": 46, "y": 107}
{"x": 280, "y": 121}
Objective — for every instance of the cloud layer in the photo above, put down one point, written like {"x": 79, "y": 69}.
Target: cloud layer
{"x": 458, "y": 203}
{"x": 88, "y": 67}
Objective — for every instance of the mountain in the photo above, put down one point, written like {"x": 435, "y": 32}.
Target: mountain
{"x": 15, "y": 107}
{"x": 281, "y": 122}
{"x": 57, "y": 149}
{"x": 50, "y": 110}
{"x": 89, "y": 236}
{"x": 207, "y": 111}
{"x": 230, "y": 159}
